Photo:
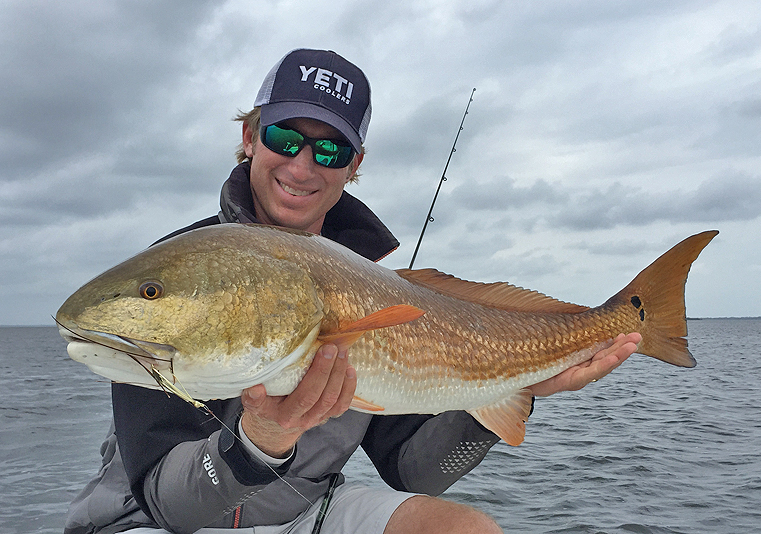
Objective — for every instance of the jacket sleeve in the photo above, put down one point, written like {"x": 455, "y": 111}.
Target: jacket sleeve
{"x": 185, "y": 469}
{"x": 425, "y": 453}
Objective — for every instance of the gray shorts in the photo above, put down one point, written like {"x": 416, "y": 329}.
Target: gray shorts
{"x": 353, "y": 508}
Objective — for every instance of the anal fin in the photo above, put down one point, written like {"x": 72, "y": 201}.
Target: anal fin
{"x": 507, "y": 418}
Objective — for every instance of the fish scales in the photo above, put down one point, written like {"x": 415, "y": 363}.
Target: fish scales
{"x": 241, "y": 305}
{"x": 457, "y": 325}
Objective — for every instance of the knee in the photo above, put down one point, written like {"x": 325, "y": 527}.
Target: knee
{"x": 421, "y": 514}
{"x": 478, "y": 521}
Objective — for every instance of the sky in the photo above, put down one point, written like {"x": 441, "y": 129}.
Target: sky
{"x": 600, "y": 134}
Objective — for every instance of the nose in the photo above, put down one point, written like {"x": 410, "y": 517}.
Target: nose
{"x": 302, "y": 167}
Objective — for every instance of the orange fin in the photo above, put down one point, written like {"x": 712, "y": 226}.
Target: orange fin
{"x": 342, "y": 340}
{"x": 362, "y": 404}
{"x": 507, "y": 418}
{"x": 497, "y": 295}
{"x": 656, "y": 295}
{"x": 393, "y": 315}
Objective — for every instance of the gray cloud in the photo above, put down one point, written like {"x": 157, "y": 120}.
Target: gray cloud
{"x": 78, "y": 66}
{"x": 731, "y": 197}
{"x": 599, "y": 132}
{"x": 504, "y": 193}
{"x": 733, "y": 43}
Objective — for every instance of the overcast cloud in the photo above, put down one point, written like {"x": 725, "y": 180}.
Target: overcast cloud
{"x": 601, "y": 133}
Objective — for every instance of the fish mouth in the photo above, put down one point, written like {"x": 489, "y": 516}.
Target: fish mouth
{"x": 146, "y": 353}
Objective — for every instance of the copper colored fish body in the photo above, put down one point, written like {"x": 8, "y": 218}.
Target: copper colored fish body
{"x": 230, "y": 306}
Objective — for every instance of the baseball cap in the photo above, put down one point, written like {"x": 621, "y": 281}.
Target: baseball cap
{"x": 321, "y": 85}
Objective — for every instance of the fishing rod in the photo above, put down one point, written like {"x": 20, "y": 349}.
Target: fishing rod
{"x": 443, "y": 179}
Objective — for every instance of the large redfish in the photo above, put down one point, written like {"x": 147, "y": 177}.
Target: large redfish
{"x": 222, "y": 308}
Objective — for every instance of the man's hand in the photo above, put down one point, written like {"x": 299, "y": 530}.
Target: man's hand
{"x": 602, "y": 363}
{"x": 275, "y": 424}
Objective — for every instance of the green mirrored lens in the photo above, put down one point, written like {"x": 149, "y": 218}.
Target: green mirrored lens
{"x": 330, "y": 154}
{"x": 287, "y": 142}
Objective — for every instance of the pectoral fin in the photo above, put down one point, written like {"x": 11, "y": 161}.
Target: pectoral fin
{"x": 344, "y": 337}
{"x": 507, "y": 418}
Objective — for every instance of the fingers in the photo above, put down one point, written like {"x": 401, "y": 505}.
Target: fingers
{"x": 608, "y": 359}
{"x": 274, "y": 424}
{"x": 623, "y": 347}
{"x": 317, "y": 396}
{"x": 254, "y": 397}
{"x": 325, "y": 391}
{"x": 348, "y": 388}
{"x": 600, "y": 365}
{"x": 337, "y": 392}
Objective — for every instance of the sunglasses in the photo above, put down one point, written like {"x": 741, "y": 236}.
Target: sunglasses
{"x": 330, "y": 153}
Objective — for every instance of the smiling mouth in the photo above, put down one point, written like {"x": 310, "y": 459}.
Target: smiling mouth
{"x": 292, "y": 191}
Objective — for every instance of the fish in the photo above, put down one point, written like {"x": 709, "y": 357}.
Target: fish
{"x": 219, "y": 309}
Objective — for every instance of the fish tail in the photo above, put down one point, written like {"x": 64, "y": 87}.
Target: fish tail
{"x": 657, "y": 296}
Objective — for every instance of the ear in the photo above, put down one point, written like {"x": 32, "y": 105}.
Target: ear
{"x": 354, "y": 166}
{"x": 248, "y": 142}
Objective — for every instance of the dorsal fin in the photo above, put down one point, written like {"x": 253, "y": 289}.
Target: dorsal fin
{"x": 496, "y": 295}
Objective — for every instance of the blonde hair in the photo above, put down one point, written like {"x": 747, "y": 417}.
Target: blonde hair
{"x": 252, "y": 119}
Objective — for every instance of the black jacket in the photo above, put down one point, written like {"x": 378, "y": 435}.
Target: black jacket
{"x": 156, "y": 469}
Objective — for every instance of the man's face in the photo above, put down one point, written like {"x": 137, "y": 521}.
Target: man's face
{"x": 295, "y": 192}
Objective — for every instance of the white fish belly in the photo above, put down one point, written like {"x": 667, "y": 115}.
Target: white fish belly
{"x": 407, "y": 391}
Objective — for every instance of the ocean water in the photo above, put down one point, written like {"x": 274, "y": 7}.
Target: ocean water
{"x": 649, "y": 449}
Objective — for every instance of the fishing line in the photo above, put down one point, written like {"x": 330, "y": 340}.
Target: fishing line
{"x": 168, "y": 387}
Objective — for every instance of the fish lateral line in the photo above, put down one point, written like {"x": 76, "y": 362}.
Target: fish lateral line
{"x": 651, "y": 304}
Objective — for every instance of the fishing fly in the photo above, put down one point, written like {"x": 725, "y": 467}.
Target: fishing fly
{"x": 169, "y": 387}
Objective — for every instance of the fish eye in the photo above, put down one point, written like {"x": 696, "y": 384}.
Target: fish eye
{"x": 151, "y": 290}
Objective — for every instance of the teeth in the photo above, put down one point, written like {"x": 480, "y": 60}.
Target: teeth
{"x": 292, "y": 191}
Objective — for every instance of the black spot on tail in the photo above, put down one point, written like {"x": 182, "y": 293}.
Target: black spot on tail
{"x": 636, "y": 301}
{"x": 642, "y": 315}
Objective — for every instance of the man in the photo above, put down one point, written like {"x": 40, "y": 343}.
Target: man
{"x": 278, "y": 459}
